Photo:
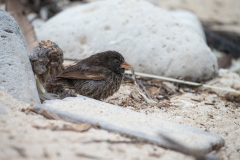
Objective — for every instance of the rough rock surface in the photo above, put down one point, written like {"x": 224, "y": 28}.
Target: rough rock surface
{"x": 16, "y": 75}
{"x": 151, "y": 39}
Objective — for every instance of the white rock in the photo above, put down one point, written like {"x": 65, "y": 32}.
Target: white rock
{"x": 190, "y": 20}
{"x": 16, "y": 75}
{"x": 151, "y": 39}
{"x": 126, "y": 121}
{"x": 186, "y": 18}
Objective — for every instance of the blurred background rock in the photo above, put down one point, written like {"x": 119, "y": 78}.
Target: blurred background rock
{"x": 220, "y": 18}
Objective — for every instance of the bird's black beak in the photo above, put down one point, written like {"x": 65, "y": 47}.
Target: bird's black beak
{"x": 125, "y": 65}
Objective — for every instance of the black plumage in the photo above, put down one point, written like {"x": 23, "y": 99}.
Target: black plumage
{"x": 98, "y": 76}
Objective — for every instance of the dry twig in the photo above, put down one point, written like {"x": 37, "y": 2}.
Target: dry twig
{"x": 141, "y": 89}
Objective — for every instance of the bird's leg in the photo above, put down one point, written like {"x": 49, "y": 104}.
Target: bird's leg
{"x": 47, "y": 63}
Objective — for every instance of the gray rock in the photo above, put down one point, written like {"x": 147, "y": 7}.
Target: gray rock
{"x": 151, "y": 39}
{"x": 16, "y": 75}
{"x": 126, "y": 121}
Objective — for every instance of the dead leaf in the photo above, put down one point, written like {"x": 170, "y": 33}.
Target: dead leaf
{"x": 126, "y": 102}
{"x": 197, "y": 100}
{"x": 49, "y": 115}
{"x": 153, "y": 90}
{"x": 136, "y": 96}
{"x": 65, "y": 127}
{"x": 76, "y": 127}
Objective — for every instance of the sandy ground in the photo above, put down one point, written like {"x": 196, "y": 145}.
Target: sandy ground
{"x": 205, "y": 111}
{"x": 198, "y": 108}
{"x": 31, "y": 136}
{"x": 26, "y": 135}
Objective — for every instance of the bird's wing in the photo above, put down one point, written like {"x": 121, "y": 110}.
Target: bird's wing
{"x": 82, "y": 71}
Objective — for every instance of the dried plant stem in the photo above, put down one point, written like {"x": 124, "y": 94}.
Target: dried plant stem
{"x": 184, "y": 82}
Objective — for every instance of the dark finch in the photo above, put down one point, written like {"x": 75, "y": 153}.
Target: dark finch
{"x": 98, "y": 76}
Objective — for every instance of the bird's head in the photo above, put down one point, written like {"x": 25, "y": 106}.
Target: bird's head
{"x": 114, "y": 61}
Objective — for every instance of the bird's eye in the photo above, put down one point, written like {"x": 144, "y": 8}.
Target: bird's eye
{"x": 116, "y": 61}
